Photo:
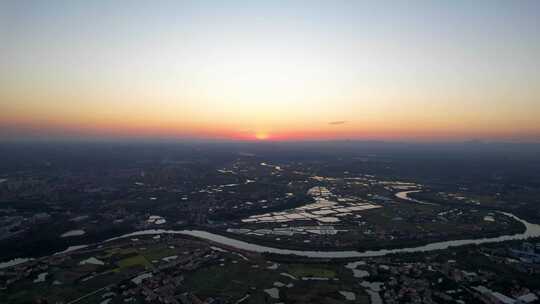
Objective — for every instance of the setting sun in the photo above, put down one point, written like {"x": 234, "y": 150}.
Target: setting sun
{"x": 261, "y": 136}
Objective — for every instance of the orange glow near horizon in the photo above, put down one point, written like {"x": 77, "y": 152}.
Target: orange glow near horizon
{"x": 271, "y": 72}
{"x": 262, "y": 136}
{"x": 403, "y": 131}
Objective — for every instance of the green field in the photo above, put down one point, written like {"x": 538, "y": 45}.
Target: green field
{"x": 159, "y": 253}
{"x": 308, "y": 270}
{"x": 137, "y": 260}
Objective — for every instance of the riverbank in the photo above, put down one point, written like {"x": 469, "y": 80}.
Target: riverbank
{"x": 532, "y": 230}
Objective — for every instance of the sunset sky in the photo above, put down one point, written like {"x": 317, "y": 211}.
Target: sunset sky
{"x": 270, "y": 70}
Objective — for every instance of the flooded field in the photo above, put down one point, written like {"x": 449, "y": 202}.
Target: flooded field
{"x": 324, "y": 210}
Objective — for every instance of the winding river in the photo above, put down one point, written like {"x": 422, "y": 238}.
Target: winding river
{"x": 532, "y": 230}
{"x": 405, "y": 195}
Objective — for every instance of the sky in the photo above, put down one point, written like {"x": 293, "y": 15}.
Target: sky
{"x": 270, "y": 70}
